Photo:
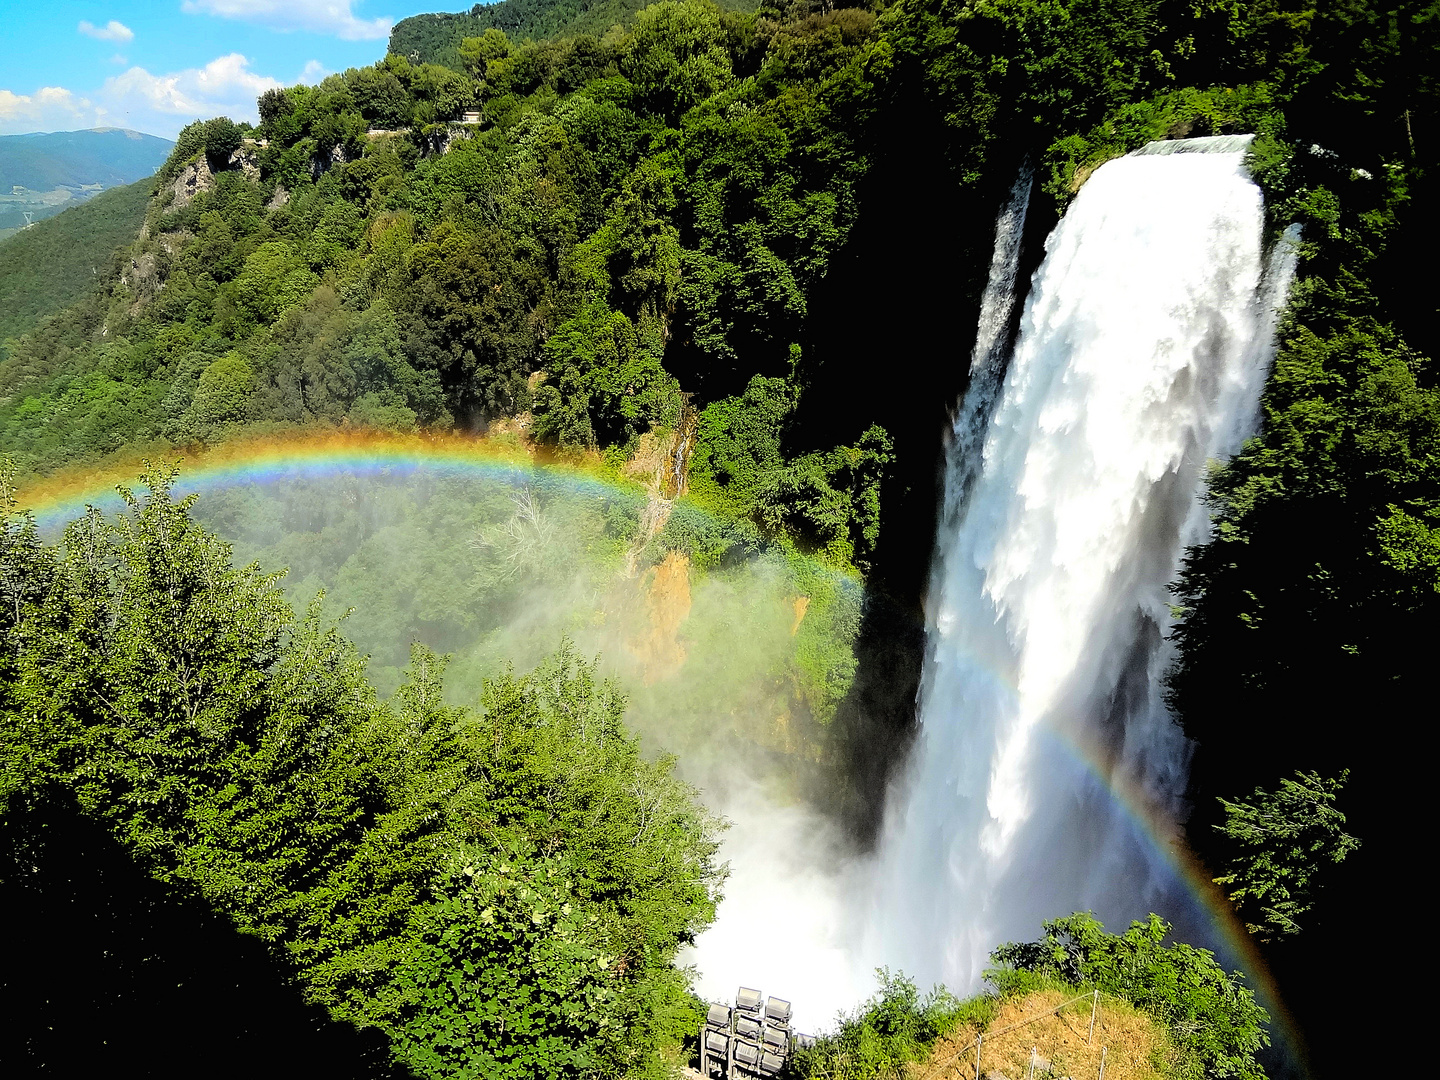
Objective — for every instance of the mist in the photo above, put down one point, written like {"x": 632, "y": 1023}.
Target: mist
{"x": 732, "y": 657}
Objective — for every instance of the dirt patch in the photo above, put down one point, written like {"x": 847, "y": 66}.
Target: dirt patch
{"x": 1134, "y": 1046}
{"x": 1084, "y": 172}
{"x": 660, "y": 462}
{"x": 647, "y": 463}
{"x": 515, "y": 427}
{"x": 800, "y": 604}
{"x": 667, "y": 606}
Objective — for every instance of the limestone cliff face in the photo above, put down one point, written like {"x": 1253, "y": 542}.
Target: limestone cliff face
{"x": 247, "y": 160}
{"x": 193, "y": 179}
{"x": 662, "y": 463}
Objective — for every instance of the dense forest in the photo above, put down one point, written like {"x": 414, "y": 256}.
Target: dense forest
{"x": 764, "y": 232}
{"x": 436, "y": 38}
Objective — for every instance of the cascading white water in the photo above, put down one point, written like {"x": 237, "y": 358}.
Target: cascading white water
{"x": 1071, "y": 492}
{"x": 1141, "y": 352}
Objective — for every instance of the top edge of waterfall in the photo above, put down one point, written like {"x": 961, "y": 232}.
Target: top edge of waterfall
{"x": 1208, "y": 144}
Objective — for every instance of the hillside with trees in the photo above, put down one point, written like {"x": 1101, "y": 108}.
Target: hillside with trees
{"x": 436, "y": 38}
{"x": 769, "y": 228}
{"x": 57, "y": 262}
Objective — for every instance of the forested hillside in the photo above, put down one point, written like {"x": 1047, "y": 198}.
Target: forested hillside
{"x": 436, "y": 38}
{"x": 767, "y": 229}
{"x": 105, "y": 156}
{"x": 47, "y": 268}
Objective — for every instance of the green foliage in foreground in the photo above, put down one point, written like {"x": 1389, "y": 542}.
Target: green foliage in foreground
{"x": 1281, "y": 841}
{"x": 896, "y": 1027}
{"x": 500, "y": 889}
{"x": 49, "y": 267}
{"x": 1210, "y": 1017}
{"x": 1213, "y": 1019}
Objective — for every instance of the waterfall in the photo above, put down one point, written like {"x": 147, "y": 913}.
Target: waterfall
{"x": 987, "y": 359}
{"x": 1071, "y": 495}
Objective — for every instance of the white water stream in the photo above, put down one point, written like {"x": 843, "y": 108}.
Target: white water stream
{"x": 1072, "y": 490}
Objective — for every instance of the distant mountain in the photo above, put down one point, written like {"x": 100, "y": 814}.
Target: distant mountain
{"x": 42, "y": 174}
{"x": 436, "y": 38}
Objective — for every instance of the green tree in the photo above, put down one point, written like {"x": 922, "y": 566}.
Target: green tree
{"x": 274, "y": 279}
{"x": 737, "y": 446}
{"x": 222, "y": 138}
{"x": 511, "y": 980}
{"x": 1278, "y": 843}
{"x": 477, "y": 52}
{"x": 223, "y": 391}
{"x": 605, "y": 384}
{"x": 884, "y": 1037}
{"x": 242, "y": 757}
{"x": 676, "y": 56}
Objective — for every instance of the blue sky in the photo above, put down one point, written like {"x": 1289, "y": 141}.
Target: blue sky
{"x": 156, "y": 66}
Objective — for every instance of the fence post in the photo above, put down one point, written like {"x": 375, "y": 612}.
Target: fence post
{"x": 1102, "y": 1063}
{"x": 979, "y": 1042}
{"x": 1094, "y": 1008}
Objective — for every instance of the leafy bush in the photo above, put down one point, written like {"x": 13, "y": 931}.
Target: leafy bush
{"x": 1213, "y": 1018}
{"x": 885, "y": 1035}
{"x": 1280, "y": 841}
{"x": 605, "y": 385}
{"x": 676, "y": 56}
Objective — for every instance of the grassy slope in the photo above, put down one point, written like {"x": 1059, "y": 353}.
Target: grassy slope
{"x": 1135, "y": 1046}
{"x": 436, "y": 38}
{"x": 49, "y": 267}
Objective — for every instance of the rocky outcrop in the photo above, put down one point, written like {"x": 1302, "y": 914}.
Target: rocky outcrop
{"x": 173, "y": 242}
{"x": 247, "y": 160}
{"x": 193, "y": 179}
{"x": 141, "y": 273}
{"x": 441, "y": 141}
{"x": 142, "y": 277}
{"x": 321, "y": 163}
{"x": 660, "y": 647}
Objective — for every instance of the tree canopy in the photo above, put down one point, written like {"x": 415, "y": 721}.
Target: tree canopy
{"x": 496, "y": 888}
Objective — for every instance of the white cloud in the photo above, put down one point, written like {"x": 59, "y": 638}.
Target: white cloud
{"x": 118, "y": 59}
{"x": 158, "y": 104}
{"x": 51, "y": 108}
{"x": 225, "y": 86}
{"x": 111, "y": 31}
{"x": 312, "y": 73}
{"x": 318, "y": 16}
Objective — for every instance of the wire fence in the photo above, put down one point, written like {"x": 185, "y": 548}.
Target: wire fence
{"x": 978, "y": 1043}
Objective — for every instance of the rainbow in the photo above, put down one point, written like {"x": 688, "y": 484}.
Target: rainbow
{"x": 63, "y": 496}
{"x": 1151, "y": 824}
{"x": 257, "y": 461}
